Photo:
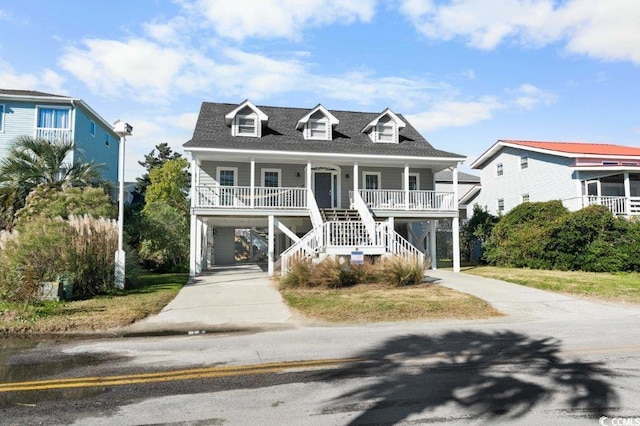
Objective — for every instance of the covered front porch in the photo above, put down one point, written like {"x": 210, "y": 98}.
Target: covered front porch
{"x": 619, "y": 191}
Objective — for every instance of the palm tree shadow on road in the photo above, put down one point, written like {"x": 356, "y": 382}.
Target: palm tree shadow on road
{"x": 500, "y": 375}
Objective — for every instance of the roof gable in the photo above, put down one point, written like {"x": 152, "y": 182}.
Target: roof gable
{"x": 318, "y": 108}
{"x": 386, "y": 113}
{"x": 561, "y": 149}
{"x": 245, "y": 104}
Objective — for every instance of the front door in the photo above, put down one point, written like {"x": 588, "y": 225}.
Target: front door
{"x": 323, "y": 191}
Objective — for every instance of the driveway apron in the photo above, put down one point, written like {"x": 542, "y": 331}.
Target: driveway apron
{"x": 233, "y": 297}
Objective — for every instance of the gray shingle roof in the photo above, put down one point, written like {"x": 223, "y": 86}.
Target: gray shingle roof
{"x": 447, "y": 176}
{"x": 280, "y": 134}
{"x": 12, "y": 92}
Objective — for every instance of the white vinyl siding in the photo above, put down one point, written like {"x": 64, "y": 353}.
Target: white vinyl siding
{"x": 542, "y": 169}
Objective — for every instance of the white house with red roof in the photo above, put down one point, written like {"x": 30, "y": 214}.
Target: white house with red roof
{"x": 579, "y": 174}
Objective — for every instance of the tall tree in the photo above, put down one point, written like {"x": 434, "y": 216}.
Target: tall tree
{"x": 153, "y": 161}
{"x": 32, "y": 162}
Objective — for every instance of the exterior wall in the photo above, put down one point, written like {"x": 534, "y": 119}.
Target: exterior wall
{"x": 94, "y": 148}
{"x": 548, "y": 177}
{"x": 19, "y": 120}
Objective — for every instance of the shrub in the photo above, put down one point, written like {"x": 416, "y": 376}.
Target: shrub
{"x": 37, "y": 253}
{"x": 333, "y": 273}
{"x": 55, "y": 202}
{"x": 164, "y": 239}
{"x": 399, "y": 272}
{"x": 93, "y": 244}
{"x": 520, "y": 237}
{"x": 299, "y": 275}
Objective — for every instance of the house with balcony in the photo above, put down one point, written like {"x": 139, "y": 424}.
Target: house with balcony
{"x": 56, "y": 117}
{"x": 317, "y": 182}
{"x": 579, "y": 174}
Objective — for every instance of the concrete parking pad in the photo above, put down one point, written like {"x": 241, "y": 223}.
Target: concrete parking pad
{"x": 233, "y": 297}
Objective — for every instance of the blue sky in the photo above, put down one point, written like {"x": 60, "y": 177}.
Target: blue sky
{"x": 465, "y": 72}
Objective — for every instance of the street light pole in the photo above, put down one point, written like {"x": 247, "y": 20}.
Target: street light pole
{"x": 123, "y": 130}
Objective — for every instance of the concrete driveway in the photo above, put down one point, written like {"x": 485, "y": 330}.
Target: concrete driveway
{"x": 521, "y": 303}
{"x": 231, "y": 298}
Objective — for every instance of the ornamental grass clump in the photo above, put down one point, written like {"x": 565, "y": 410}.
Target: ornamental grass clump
{"x": 398, "y": 272}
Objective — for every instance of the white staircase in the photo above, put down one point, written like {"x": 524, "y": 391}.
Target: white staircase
{"x": 342, "y": 231}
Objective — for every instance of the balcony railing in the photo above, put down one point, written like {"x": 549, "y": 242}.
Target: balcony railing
{"x": 242, "y": 197}
{"x": 398, "y": 199}
{"x": 619, "y": 206}
{"x": 54, "y": 135}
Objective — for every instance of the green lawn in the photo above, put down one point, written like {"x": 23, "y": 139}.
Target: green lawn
{"x": 618, "y": 287}
{"x": 152, "y": 293}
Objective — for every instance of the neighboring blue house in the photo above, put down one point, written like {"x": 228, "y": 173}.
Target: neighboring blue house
{"x": 55, "y": 117}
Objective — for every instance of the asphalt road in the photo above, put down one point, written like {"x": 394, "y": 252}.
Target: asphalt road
{"x": 564, "y": 370}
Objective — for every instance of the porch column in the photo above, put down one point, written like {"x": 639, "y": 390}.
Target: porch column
{"x": 433, "y": 253}
{"x": 192, "y": 227}
{"x": 355, "y": 177}
{"x": 456, "y": 224}
{"x": 205, "y": 246}
{"x": 193, "y": 255}
{"x": 253, "y": 183}
{"x": 406, "y": 187}
{"x": 251, "y": 253}
{"x": 308, "y": 175}
{"x": 627, "y": 194}
{"x": 270, "y": 246}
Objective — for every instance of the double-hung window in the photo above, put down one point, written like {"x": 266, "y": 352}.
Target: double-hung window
{"x": 92, "y": 128}
{"x": 271, "y": 178}
{"x": 246, "y": 125}
{"x": 227, "y": 179}
{"x": 499, "y": 169}
{"x": 1, "y": 118}
{"x": 524, "y": 162}
{"x": 500, "y": 205}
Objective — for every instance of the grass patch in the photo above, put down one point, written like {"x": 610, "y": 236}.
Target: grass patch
{"x": 617, "y": 287}
{"x": 103, "y": 312}
{"x": 370, "y": 303}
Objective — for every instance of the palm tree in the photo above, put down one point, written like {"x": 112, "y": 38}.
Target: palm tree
{"x": 32, "y": 162}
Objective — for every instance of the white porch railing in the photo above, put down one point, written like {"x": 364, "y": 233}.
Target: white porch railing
{"x": 241, "y": 197}
{"x": 334, "y": 235}
{"x": 53, "y": 135}
{"x": 396, "y": 199}
{"x": 619, "y": 206}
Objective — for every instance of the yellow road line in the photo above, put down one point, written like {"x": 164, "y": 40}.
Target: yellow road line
{"x": 166, "y": 376}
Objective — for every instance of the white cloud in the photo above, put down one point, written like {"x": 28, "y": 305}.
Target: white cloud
{"x": 528, "y": 96}
{"x": 455, "y": 114}
{"x": 138, "y": 67}
{"x": 606, "y": 30}
{"x": 241, "y": 19}
{"x": 45, "y": 80}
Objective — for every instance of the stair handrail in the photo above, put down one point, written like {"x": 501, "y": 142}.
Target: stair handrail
{"x": 365, "y": 215}
{"x": 308, "y": 246}
{"x": 314, "y": 210}
{"x": 396, "y": 244}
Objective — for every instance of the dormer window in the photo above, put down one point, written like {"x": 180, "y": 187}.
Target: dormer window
{"x": 385, "y": 132}
{"x": 246, "y": 125}
{"x": 318, "y": 124}
{"x": 246, "y": 120}
{"x": 385, "y": 128}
